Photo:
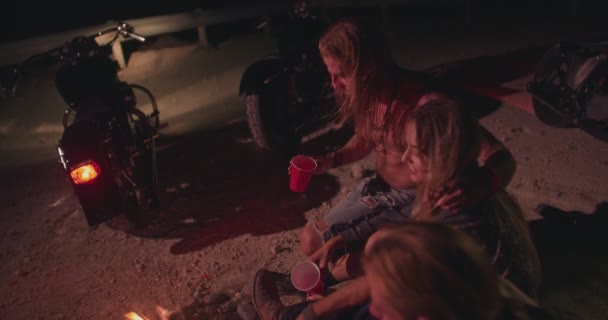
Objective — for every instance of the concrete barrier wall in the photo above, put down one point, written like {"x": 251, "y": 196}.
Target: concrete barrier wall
{"x": 17, "y": 51}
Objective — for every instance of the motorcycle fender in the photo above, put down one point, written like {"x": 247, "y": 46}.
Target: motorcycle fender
{"x": 257, "y": 76}
{"x": 99, "y": 198}
{"x": 583, "y": 72}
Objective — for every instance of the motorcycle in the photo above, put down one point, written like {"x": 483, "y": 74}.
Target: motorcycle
{"x": 288, "y": 94}
{"x": 570, "y": 87}
{"x": 107, "y": 148}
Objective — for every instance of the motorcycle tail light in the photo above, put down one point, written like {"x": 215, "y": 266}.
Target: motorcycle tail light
{"x": 85, "y": 172}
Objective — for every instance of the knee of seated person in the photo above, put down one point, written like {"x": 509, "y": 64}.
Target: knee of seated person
{"x": 310, "y": 241}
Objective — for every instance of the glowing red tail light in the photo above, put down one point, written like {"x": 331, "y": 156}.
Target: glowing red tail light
{"x": 85, "y": 172}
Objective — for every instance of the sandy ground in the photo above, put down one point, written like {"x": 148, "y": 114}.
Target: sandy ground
{"x": 226, "y": 207}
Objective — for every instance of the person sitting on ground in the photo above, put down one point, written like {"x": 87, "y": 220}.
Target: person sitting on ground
{"x": 442, "y": 140}
{"x": 373, "y": 92}
{"x": 425, "y": 270}
{"x": 417, "y": 270}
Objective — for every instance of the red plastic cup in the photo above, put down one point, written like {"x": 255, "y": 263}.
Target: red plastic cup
{"x": 307, "y": 276}
{"x": 319, "y": 288}
{"x": 301, "y": 172}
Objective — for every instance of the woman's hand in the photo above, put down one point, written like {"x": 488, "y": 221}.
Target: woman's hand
{"x": 322, "y": 256}
{"x": 464, "y": 193}
{"x": 324, "y": 164}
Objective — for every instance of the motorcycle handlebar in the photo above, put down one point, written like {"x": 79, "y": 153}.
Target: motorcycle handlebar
{"x": 72, "y": 49}
{"x": 124, "y": 29}
{"x": 127, "y": 32}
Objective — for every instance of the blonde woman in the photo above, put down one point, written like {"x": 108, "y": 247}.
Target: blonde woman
{"x": 443, "y": 142}
{"x": 428, "y": 271}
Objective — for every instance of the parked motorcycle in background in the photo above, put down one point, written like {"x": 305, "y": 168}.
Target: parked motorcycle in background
{"x": 108, "y": 145}
{"x": 288, "y": 94}
{"x": 570, "y": 87}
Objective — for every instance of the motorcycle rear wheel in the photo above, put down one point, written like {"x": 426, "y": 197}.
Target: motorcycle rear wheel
{"x": 137, "y": 179}
{"x": 268, "y": 119}
{"x": 136, "y": 205}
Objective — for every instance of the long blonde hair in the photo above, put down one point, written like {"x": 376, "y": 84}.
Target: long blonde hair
{"x": 430, "y": 269}
{"x": 364, "y": 53}
{"x": 449, "y": 140}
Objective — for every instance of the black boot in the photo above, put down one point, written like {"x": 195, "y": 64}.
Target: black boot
{"x": 284, "y": 285}
{"x": 266, "y": 296}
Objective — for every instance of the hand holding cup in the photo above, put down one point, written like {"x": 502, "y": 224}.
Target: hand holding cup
{"x": 307, "y": 276}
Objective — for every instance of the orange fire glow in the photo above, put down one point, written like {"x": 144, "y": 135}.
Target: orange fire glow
{"x": 134, "y": 316}
{"x": 161, "y": 314}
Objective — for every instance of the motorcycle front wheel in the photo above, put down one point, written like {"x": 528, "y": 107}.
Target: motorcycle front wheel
{"x": 269, "y": 122}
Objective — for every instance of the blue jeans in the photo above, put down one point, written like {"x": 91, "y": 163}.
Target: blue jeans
{"x": 372, "y": 198}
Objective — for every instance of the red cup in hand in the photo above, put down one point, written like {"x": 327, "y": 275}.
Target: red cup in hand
{"x": 319, "y": 289}
{"x": 300, "y": 169}
{"x": 307, "y": 276}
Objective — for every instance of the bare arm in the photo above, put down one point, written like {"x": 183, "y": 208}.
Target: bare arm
{"x": 355, "y": 149}
{"x": 322, "y": 255}
{"x": 349, "y": 295}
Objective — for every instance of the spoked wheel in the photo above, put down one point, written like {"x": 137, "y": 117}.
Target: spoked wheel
{"x": 550, "y": 82}
{"x": 270, "y": 122}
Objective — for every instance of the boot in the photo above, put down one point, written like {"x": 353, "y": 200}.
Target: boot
{"x": 284, "y": 285}
{"x": 266, "y": 296}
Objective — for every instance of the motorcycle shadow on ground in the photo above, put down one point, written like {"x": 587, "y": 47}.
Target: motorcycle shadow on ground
{"x": 218, "y": 185}
{"x": 572, "y": 248}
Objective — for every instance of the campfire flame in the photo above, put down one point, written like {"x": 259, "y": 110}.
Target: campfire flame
{"x": 134, "y": 316}
{"x": 162, "y": 313}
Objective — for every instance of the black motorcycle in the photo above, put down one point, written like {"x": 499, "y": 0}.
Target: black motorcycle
{"x": 288, "y": 94}
{"x": 108, "y": 145}
{"x": 570, "y": 87}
